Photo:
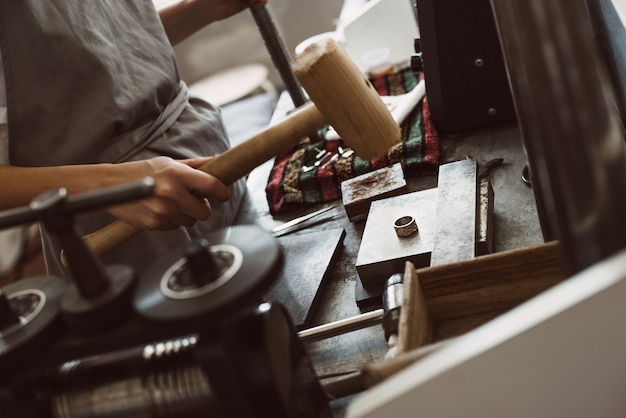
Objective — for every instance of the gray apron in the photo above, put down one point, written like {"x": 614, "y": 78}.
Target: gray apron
{"x": 96, "y": 81}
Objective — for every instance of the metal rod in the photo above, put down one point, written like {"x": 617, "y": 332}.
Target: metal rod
{"x": 300, "y": 219}
{"x": 570, "y": 130}
{"x": 342, "y": 326}
{"x": 278, "y": 52}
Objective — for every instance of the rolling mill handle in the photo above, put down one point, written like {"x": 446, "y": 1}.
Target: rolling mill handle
{"x": 342, "y": 97}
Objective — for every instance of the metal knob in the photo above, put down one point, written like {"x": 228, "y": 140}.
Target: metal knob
{"x": 8, "y": 315}
{"x": 201, "y": 267}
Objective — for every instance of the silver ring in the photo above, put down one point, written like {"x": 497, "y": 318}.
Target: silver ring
{"x": 405, "y": 226}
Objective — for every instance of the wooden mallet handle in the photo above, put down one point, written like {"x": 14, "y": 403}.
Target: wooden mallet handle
{"x": 233, "y": 164}
{"x": 343, "y": 97}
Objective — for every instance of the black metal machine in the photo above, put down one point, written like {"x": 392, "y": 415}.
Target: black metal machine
{"x": 191, "y": 339}
{"x": 459, "y": 53}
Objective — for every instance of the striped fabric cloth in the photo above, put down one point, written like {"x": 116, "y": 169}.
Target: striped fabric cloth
{"x": 290, "y": 184}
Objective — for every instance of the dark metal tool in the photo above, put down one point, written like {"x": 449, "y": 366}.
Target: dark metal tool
{"x": 570, "y": 131}
{"x": 526, "y": 176}
{"x": 484, "y": 170}
{"x": 388, "y": 316}
{"x": 278, "y": 52}
{"x": 301, "y": 222}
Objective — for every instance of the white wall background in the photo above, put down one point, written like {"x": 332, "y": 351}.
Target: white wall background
{"x": 237, "y": 40}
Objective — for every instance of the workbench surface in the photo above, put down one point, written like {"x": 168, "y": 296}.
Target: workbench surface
{"x": 516, "y": 225}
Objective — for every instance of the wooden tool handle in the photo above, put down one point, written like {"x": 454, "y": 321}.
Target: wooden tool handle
{"x": 349, "y": 103}
{"x": 238, "y": 161}
{"x": 233, "y": 164}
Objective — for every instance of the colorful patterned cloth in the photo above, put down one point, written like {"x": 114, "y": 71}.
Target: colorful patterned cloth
{"x": 289, "y": 184}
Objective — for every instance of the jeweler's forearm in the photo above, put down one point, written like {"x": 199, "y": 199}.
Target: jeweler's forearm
{"x": 20, "y": 185}
{"x": 186, "y": 17}
{"x": 182, "y": 19}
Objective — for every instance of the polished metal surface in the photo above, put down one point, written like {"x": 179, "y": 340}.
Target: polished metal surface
{"x": 382, "y": 252}
{"x": 405, "y": 226}
{"x": 158, "y": 381}
{"x": 457, "y": 217}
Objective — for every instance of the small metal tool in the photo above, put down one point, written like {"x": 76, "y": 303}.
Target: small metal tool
{"x": 526, "y": 176}
{"x": 388, "y": 316}
{"x": 486, "y": 169}
{"x": 345, "y": 152}
{"x": 280, "y": 229}
{"x": 324, "y": 157}
{"x": 330, "y": 161}
{"x": 342, "y": 326}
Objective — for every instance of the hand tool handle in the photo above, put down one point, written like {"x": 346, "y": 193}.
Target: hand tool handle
{"x": 348, "y": 101}
{"x": 233, "y": 164}
{"x": 238, "y": 161}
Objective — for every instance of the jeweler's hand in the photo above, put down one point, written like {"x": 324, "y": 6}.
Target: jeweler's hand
{"x": 180, "y": 194}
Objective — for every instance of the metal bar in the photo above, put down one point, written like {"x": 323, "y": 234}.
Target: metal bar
{"x": 454, "y": 238}
{"x": 278, "y": 52}
{"x": 280, "y": 228}
{"x": 342, "y": 326}
{"x": 79, "y": 203}
{"x": 569, "y": 126}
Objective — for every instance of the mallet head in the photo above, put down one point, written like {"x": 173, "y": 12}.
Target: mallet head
{"x": 346, "y": 98}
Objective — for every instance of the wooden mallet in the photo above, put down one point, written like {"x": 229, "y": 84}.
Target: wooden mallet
{"x": 341, "y": 96}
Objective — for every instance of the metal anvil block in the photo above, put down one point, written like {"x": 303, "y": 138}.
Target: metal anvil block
{"x": 452, "y": 220}
{"x": 358, "y": 192}
{"x": 382, "y": 251}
